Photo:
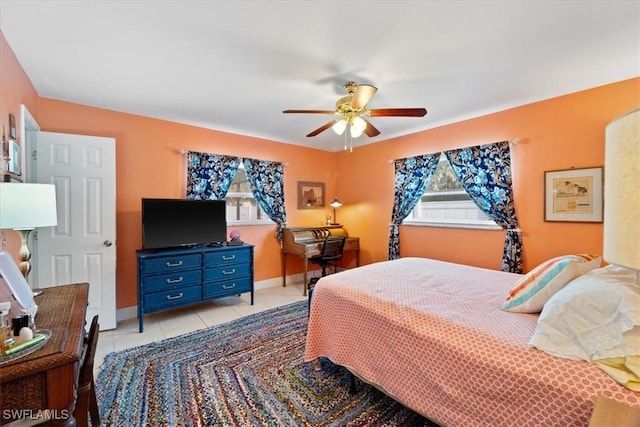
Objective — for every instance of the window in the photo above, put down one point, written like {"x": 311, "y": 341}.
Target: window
{"x": 445, "y": 203}
{"x": 242, "y": 207}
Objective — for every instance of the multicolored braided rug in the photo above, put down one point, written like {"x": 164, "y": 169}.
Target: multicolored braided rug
{"x": 248, "y": 372}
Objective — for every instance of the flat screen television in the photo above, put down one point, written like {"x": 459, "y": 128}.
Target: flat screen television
{"x": 169, "y": 223}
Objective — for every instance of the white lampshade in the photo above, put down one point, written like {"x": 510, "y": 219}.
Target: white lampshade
{"x": 339, "y": 126}
{"x": 622, "y": 191}
{"x": 25, "y": 206}
{"x": 358, "y": 125}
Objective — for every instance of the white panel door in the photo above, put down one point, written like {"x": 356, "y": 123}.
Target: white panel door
{"x": 82, "y": 247}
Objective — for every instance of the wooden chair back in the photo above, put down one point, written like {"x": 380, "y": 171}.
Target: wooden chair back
{"x": 86, "y": 402}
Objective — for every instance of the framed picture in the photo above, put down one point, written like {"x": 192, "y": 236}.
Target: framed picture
{"x": 573, "y": 195}
{"x": 12, "y": 127}
{"x": 310, "y": 195}
{"x": 14, "y": 157}
{"x": 5, "y": 147}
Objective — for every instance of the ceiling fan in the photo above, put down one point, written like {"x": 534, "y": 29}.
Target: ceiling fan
{"x": 353, "y": 107}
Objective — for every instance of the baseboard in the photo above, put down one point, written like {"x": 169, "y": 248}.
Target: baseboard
{"x": 295, "y": 279}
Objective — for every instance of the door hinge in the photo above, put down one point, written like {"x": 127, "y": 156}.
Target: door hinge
{"x": 34, "y": 155}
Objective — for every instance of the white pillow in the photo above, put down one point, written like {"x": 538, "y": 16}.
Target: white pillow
{"x": 533, "y": 290}
{"x": 595, "y": 316}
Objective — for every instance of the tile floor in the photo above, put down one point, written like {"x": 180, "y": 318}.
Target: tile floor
{"x": 167, "y": 324}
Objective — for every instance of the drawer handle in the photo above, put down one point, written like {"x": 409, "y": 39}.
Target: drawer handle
{"x": 173, "y": 264}
{"x": 178, "y": 280}
{"x": 225, "y": 272}
{"x": 180, "y": 295}
{"x": 228, "y": 286}
{"x": 228, "y": 258}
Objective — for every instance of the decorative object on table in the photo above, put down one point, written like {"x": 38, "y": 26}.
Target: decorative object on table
{"x": 18, "y": 323}
{"x": 573, "y": 195}
{"x": 16, "y": 351}
{"x": 310, "y": 195}
{"x": 256, "y": 362}
{"x": 24, "y": 208}
{"x": 235, "y": 238}
{"x": 335, "y": 204}
{"x": 622, "y": 184}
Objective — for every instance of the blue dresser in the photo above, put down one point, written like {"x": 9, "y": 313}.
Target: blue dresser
{"x": 170, "y": 278}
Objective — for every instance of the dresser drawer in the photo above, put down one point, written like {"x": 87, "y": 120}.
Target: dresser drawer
{"x": 227, "y": 287}
{"x": 226, "y": 272}
{"x": 178, "y": 279}
{"x": 174, "y": 297}
{"x": 226, "y": 257}
{"x": 171, "y": 263}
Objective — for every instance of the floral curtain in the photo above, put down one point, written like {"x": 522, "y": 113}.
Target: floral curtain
{"x": 209, "y": 176}
{"x": 485, "y": 174}
{"x": 266, "y": 180}
{"x": 411, "y": 178}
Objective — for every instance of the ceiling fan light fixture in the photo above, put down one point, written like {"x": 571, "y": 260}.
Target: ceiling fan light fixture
{"x": 339, "y": 126}
{"x": 358, "y": 125}
{"x": 352, "y": 109}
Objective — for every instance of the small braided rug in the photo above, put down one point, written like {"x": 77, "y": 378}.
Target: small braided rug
{"x": 248, "y": 372}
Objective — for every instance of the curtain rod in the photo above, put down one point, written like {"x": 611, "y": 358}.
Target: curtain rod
{"x": 513, "y": 141}
{"x": 185, "y": 152}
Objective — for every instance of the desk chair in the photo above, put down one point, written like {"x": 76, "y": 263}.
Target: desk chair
{"x": 330, "y": 255}
{"x": 86, "y": 402}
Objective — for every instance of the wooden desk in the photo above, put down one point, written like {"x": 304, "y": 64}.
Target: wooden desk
{"x": 44, "y": 382}
{"x": 306, "y": 243}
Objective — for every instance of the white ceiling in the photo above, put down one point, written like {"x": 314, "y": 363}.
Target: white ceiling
{"x": 235, "y": 65}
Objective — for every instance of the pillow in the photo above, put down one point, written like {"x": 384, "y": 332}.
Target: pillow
{"x": 595, "y": 316}
{"x": 534, "y": 289}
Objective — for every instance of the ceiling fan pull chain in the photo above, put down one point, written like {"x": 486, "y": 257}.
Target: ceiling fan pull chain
{"x": 345, "y": 138}
{"x": 350, "y": 138}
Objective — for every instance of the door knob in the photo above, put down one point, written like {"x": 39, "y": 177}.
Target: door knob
{"x": 107, "y": 243}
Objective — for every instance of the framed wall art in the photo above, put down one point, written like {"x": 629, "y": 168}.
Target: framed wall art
{"x": 311, "y": 195}
{"x": 573, "y": 195}
{"x": 14, "y": 157}
{"x": 12, "y": 127}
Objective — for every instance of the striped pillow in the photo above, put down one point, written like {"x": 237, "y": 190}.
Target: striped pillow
{"x": 534, "y": 289}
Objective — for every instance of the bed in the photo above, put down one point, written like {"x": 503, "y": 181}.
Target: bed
{"x": 433, "y": 336}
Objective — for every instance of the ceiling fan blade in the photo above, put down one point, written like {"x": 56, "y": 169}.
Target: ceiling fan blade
{"x": 321, "y": 129}
{"x": 362, "y": 96}
{"x": 398, "y": 112}
{"x": 309, "y": 111}
{"x": 371, "y": 130}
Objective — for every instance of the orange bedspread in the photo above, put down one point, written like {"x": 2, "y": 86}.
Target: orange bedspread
{"x": 432, "y": 335}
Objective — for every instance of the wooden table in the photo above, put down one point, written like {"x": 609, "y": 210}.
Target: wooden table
{"x": 42, "y": 385}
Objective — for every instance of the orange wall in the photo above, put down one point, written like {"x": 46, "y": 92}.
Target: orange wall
{"x": 15, "y": 89}
{"x": 556, "y": 134}
{"x": 560, "y": 133}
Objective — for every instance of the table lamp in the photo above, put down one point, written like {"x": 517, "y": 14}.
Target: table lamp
{"x": 335, "y": 204}
{"x": 621, "y": 192}
{"x": 23, "y": 208}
